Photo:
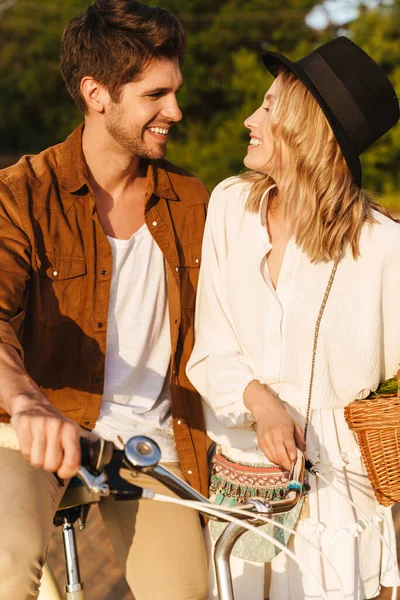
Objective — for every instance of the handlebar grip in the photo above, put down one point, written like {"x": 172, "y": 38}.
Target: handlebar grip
{"x": 96, "y": 454}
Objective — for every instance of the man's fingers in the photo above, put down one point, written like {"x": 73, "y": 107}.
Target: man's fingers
{"x": 39, "y": 442}
{"x": 54, "y": 451}
{"x": 72, "y": 452}
{"x": 23, "y": 430}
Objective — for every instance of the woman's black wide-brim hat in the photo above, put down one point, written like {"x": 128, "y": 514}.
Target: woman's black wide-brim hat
{"x": 352, "y": 90}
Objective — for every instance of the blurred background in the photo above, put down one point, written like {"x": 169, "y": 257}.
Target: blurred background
{"x": 224, "y": 77}
{"x": 224, "y": 83}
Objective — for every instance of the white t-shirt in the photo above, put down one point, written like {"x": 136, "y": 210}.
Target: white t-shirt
{"x": 136, "y": 398}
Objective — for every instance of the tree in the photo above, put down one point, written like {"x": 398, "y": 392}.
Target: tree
{"x": 377, "y": 31}
{"x": 35, "y": 109}
{"x": 224, "y": 78}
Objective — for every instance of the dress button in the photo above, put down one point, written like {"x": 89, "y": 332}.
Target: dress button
{"x": 196, "y": 260}
{"x": 55, "y": 273}
{"x": 179, "y": 422}
{"x": 154, "y": 223}
{"x": 177, "y": 269}
{"x": 190, "y": 472}
{"x": 104, "y": 272}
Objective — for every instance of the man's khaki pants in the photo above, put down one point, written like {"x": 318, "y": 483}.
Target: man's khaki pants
{"x": 159, "y": 546}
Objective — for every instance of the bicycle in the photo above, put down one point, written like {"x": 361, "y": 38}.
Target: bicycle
{"x": 99, "y": 476}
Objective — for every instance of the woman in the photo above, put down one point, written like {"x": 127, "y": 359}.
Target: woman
{"x": 272, "y": 238}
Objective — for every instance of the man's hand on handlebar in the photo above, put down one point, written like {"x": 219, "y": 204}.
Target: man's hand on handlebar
{"x": 47, "y": 439}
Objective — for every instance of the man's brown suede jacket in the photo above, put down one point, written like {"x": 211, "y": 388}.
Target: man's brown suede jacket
{"x": 55, "y": 270}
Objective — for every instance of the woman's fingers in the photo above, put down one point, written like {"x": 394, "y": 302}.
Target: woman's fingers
{"x": 299, "y": 438}
{"x": 280, "y": 451}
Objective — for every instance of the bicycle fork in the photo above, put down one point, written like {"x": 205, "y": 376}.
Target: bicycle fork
{"x": 49, "y": 589}
{"x": 74, "y": 587}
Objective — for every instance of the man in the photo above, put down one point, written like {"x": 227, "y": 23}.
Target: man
{"x": 100, "y": 253}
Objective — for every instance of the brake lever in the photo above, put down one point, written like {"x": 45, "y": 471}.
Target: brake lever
{"x": 120, "y": 488}
{"x": 95, "y": 483}
{"x": 109, "y": 482}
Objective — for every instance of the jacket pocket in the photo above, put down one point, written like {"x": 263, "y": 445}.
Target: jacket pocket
{"x": 60, "y": 286}
{"x": 190, "y": 260}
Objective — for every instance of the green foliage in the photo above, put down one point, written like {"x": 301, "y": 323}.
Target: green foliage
{"x": 35, "y": 109}
{"x": 224, "y": 77}
{"x": 377, "y": 31}
{"x": 389, "y": 387}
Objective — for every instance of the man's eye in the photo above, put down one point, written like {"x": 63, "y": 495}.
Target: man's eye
{"x": 266, "y": 108}
{"x": 155, "y": 95}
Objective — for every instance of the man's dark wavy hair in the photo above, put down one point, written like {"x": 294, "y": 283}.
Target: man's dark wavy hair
{"x": 114, "y": 41}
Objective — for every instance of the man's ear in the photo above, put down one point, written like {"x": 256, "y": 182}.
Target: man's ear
{"x": 95, "y": 95}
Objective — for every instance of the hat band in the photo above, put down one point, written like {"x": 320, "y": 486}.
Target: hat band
{"x": 338, "y": 99}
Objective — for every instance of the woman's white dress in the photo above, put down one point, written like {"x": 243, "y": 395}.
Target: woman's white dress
{"x": 246, "y": 330}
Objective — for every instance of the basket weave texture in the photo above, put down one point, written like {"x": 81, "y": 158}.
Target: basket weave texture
{"x": 376, "y": 422}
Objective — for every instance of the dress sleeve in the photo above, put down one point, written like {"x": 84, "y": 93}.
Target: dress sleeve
{"x": 15, "y": 251}
{"x": 391, "y": 310}
{"x": 218, "y": 367}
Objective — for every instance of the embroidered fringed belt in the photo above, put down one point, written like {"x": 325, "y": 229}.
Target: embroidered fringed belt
{"x": 242, "y": 481}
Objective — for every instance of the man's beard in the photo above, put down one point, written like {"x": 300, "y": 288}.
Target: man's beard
{"x": 130, "y": 138}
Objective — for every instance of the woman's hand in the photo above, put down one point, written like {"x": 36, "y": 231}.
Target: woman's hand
{"x": 278, "y": 434}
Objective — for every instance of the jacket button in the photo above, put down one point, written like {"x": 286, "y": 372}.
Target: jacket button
{"x": 190, "y": 472}
{"x": 104, "y": 272}
{"x": 98, "y": 379}
{"x": 196, "y": 260}
{"x": 87, "y": 422}
{"x": 55, "y": 273}
{"x": 176, "y": 321}
{"x": 173, "y": 372}
{"x": 177, "y": 269}
{"x": 154, "y": 223}
{"x": 100, "y": 325}
{"x": 179, "y": 422}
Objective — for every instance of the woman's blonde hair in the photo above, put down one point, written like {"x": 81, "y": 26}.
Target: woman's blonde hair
{"x": 325, "y": 209}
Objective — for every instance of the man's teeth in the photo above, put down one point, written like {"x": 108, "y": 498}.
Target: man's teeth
{"x": 255, "y": 142}
{"x": 159, "y": 130}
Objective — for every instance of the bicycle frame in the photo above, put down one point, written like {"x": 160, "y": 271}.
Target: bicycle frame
{"x": 143, "y": 454}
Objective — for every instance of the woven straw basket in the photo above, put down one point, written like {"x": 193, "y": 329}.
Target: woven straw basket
{"x": 376, "y": 422}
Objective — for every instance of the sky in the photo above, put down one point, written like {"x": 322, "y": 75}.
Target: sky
{"x": 338, "y": 11}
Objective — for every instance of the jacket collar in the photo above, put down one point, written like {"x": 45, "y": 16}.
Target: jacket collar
{"x": 159, "y": 182}
{"x": 73, "y": 165}
{"x": 74, "y": 175}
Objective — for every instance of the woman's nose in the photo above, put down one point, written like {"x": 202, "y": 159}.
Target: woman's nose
{"x": 252, "y": 120}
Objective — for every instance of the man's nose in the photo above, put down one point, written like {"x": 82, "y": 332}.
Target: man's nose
{"x": 172, "y": 110}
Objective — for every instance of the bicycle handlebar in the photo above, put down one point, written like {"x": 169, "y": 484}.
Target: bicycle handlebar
{"x": 101, "y": 462}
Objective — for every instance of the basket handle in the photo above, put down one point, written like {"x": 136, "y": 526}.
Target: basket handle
{"x": 398, "y": 383}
